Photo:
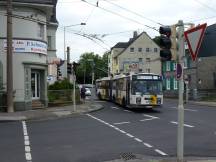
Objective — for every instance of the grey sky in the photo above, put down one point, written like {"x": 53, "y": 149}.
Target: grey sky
{"x": 98, "y": 21}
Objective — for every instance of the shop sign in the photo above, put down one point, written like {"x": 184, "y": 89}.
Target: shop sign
{"x": 27, "y": 46}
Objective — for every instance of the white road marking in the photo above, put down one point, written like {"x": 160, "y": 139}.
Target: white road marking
{"x": 114, "y": 107}
{"x": 186, "y": 125}
{"x": 160, "y": 152}
{"x": 138, "y": 140}
{"x": 128, "y": 134}
{"x": 26, "y": 142}
{"x": 27, "y": 149}
{"x": 28, "y": 156}
{"x": 147, "y": 119}
{"x": 122, "y": 131}
{"x": 174, "y": 107}
{"x": 26, "y": 138}
{"x": 147, "y": 145}
{"x": 150, "y": 116}
{"x": 127, "y": 111}
{"x": 121, "y": 123}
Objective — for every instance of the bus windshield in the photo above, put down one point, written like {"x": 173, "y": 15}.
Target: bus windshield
{"x": 144, "y": 87}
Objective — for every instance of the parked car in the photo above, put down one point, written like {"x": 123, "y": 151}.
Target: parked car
{"x": 88, "y": 92}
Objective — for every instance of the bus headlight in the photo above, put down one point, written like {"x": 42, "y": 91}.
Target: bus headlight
{"x": 138, "y": 100}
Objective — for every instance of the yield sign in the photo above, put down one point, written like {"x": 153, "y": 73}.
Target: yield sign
{"x": 194, "y": 38}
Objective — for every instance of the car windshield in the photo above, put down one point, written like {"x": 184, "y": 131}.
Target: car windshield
{"x": 146, "y": 87}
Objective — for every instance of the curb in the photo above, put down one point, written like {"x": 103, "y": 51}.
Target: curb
{"x": 49, "y": 115}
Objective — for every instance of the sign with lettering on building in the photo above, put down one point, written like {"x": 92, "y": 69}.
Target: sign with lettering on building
{"x": 27, "y": 46}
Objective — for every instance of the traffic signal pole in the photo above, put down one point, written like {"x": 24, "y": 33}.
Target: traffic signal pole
{"x": 68, "y": 61}
{"x": 180, "y": 132}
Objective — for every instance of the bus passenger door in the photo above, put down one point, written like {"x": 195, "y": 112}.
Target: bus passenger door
{"x": 128, "y": 91}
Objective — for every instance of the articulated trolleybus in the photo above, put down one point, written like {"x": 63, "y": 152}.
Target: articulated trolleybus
{"x": 142, "y": 90}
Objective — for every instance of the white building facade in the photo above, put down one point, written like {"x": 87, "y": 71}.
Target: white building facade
{"x": 140, "y": 55}
{"x": 30, "y": 56}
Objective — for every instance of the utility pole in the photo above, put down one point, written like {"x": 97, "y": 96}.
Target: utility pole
{"x": 180, "y": 133}
{"x": 68, "y": 61}
{"x": 10, "y": 106}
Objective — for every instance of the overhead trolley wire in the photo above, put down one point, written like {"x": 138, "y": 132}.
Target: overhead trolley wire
{"x": 150, "y": 27}
{"x": 128, "y": 10}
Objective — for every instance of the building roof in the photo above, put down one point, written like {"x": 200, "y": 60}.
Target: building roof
{"x": 45, "y": 2}
{"x": 120, "y": 45}
{"x": 34, "y": 1}
{"x": 208, "y": 47}
{"x": 125, "y": 45}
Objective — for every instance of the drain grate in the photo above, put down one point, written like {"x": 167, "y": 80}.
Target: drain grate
{"x": 127, "y": 156}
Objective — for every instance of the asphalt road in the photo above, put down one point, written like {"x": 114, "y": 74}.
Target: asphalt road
{"x": 109, "y": 134}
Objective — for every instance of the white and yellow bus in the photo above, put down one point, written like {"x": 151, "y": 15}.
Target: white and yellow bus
{"x": 132, "y": 91}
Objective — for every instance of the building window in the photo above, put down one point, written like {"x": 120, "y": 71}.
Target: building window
{"x": 140, "y": 59}
{"x": 41, "y": 30}
{"x": 140, "y": 70}
{"x": 168, "y": 83}
{"x": 174, "y": 65}
{"x": 132, "y": 49}
{"x": 49, "y": 42}
{"x": 148, "y": 70}
{"x": 148, "y": 60}
{"x": 185, "y": 63}
{"x": 175, "y": 83}
{"x": 168, "y": 66}
{"x": 147, "y": 49}
{"x": 139, "y": 49}
{"x": 155, "y": 50}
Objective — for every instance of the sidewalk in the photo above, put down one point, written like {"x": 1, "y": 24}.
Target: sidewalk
{"x": 204, "y": 103}
{"x": 141, "y": 158}
{"x": 51, "y": 112}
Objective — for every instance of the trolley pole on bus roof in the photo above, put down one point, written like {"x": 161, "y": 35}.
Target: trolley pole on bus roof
{"x": 181, "y": 54}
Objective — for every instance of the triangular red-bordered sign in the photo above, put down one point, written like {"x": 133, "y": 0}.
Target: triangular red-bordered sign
{"x": 194, "y": 38}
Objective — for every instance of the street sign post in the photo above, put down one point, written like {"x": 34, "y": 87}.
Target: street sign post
{"x": 194, "y": 38}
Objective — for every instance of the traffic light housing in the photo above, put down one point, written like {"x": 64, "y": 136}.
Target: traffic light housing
{"x": 75, "y": 65}
{"x": 59, "y": 74}
{"x": 69, "y": 68}
{"x": 168, "y": 43}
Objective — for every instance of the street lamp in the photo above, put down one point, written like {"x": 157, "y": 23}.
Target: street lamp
{"x": 64, "y": 36}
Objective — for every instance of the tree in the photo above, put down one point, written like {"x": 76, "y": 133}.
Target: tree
{"x": 99, "y": 65}
{"x": 157, "y": 40}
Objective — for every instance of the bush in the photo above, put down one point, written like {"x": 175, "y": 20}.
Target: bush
{"x": 61, "y": 85}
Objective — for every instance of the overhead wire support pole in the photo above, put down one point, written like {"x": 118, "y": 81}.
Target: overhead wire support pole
{"x": 180, "y": 132}
{"x": 10, "y": 106}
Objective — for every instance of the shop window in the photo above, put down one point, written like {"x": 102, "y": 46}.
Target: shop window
{"x": 168, "y": 66}
{"x": 174, "y": 65}
{"x": 168, "y": 83}
{"x": 175, "y": 83}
